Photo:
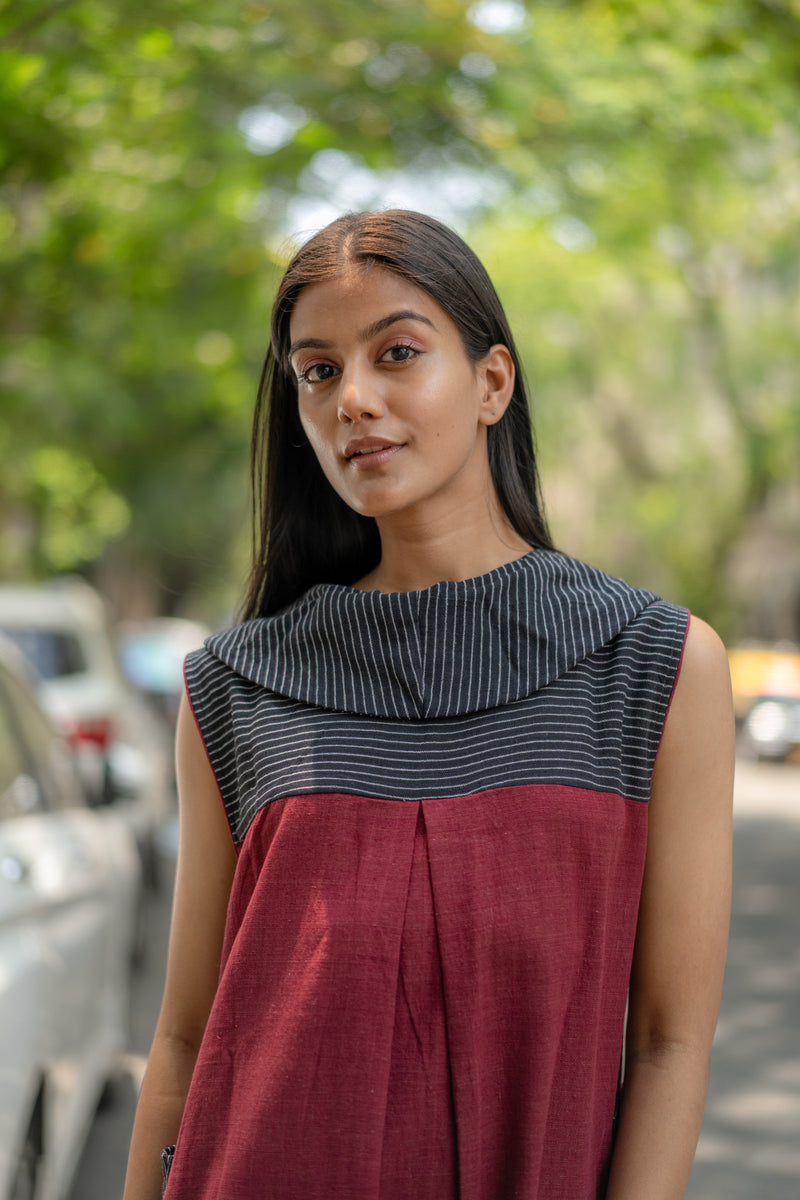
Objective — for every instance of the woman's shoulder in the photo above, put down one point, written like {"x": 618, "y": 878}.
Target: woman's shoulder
{"x": 705, "y": 669}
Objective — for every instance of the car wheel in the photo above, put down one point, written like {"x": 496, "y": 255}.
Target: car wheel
{"x": 141, "y": 929}
{"x": 24, "y": 1184}
{"x": 151, "y": 866}
{"x": 112, "y": 1091}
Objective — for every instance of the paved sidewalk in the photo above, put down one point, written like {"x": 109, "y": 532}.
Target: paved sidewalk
{"x": 766, "y": 790}
{"x": 750, "y": 1145}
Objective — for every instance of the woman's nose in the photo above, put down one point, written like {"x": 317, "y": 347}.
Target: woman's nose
{"x": 357, "y": 399}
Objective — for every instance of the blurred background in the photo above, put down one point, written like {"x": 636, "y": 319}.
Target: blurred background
{"x": 629, "y": 173}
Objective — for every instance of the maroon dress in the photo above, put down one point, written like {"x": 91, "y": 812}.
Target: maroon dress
{"x": 439, "y": 802}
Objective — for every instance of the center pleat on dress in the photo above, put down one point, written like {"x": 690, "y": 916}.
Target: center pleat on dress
{"x": 419, "y": 1146}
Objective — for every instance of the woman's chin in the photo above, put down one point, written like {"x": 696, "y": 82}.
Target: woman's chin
{"x": 376, "y": 505}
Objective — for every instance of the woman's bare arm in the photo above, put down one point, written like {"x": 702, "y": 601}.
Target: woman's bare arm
{"x": 206, "y": 863}
{"x": 682, "y": 933}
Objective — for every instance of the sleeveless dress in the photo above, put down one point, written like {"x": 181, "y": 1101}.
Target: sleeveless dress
{"x": 439, "y": 803}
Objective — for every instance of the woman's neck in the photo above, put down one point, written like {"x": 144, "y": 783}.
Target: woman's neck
{"x": 414, "y": 557}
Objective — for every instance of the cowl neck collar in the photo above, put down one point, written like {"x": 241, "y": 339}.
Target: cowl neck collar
{"x": 454, "y": 648}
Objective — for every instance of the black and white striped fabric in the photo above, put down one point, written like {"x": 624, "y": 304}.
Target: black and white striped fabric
{"x": 543, "y": 671}
{"x": 453, "y": 648}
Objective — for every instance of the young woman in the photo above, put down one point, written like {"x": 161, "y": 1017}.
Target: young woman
{"x": 450, "y": 801}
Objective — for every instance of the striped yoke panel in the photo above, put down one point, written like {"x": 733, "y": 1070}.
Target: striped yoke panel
{"x": 596, "y": 727}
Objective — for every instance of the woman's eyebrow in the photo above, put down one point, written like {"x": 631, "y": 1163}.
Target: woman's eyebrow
{"x": 371, "y": 331}
{"x": 403, "y": 314}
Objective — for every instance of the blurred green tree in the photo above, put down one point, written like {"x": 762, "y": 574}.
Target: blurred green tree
{"x": 629, "y": 171}
{"x": 663, "y": 291}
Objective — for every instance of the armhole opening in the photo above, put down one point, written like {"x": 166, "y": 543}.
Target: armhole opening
{"x": 236, "y": 845}
{"x": 672, "y": 692}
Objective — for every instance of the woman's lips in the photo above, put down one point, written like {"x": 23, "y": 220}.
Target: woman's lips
{"x": 363, "y": 453}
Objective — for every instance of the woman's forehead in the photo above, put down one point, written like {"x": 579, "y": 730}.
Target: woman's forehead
{"x": 357, "y": 297}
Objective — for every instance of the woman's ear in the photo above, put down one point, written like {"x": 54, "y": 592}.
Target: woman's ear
{"x": 497, "y": 372}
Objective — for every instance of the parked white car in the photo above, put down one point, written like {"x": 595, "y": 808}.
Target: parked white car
{"x": 124, "y": 749}
{"x": 70, "y": 877}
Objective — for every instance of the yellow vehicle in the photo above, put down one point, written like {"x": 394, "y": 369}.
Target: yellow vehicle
{"x": 766, "y": 697}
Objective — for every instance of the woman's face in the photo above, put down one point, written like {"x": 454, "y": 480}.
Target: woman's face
{"x": 391, "y": 404}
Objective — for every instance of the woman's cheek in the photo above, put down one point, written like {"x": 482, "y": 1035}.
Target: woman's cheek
{"x": 313, "y": 431}
{"x": 323, "y": 452}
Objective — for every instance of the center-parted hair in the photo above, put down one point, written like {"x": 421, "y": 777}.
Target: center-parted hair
{"x": 304, "y": 533}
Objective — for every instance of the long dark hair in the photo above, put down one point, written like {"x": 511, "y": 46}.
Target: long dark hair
{"x": 303, "y": 532}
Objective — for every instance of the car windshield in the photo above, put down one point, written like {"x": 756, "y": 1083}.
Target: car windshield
{"x": 52, "y": 652}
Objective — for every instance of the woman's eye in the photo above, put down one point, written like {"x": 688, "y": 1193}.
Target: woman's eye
{"x": 400, "y": 353}
{"x": 317, "y": 373}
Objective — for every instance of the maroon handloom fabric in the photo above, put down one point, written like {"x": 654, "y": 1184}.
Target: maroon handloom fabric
{"x": 396, "y": 972}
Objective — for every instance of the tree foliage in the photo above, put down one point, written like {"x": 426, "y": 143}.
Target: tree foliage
{"x": 628, "y": 170}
